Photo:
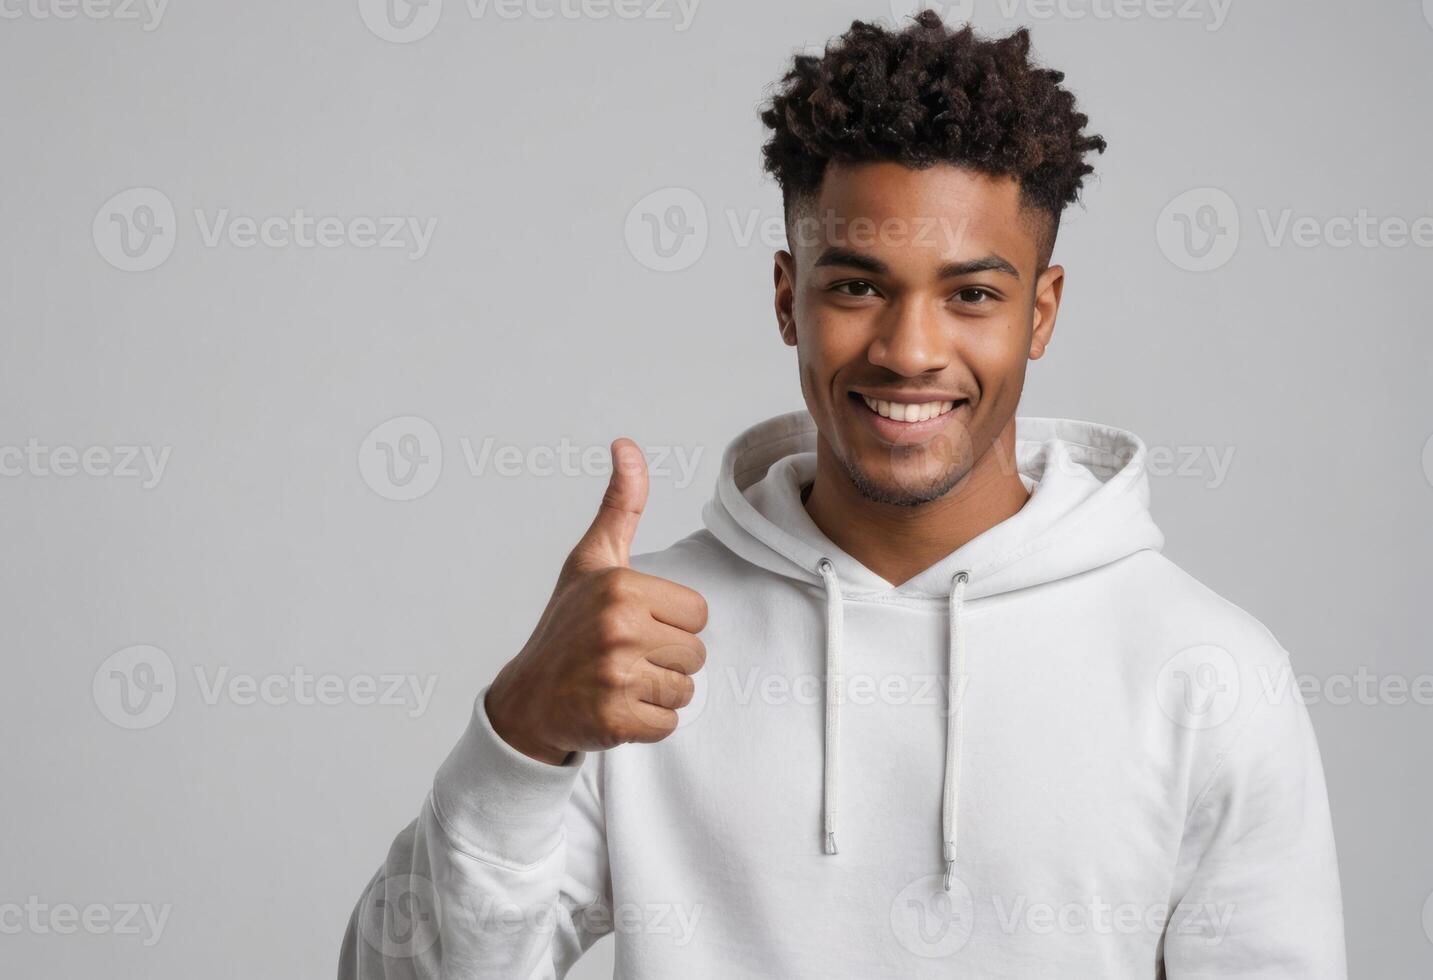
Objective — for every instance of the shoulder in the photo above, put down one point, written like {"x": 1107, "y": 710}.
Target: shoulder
{"x": 1169, "y": 604}
{"x": 1223, "y": 681}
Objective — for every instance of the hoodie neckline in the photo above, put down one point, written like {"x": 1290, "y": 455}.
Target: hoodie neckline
{"x": 1088, "y": 506}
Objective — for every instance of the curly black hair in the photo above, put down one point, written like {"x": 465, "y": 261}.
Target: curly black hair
{"x": 924, "y": 95}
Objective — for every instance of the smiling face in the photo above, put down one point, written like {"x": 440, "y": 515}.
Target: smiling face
{"x": 914, "y": 299}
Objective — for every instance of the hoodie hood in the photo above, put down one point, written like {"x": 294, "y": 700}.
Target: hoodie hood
{"x": 1089, "y": 506}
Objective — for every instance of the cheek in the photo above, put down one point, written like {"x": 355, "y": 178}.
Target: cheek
{"x": 996, "y": 348}
{"x": 826, "y": 344}
{"x": 996, "y": 356}
{"x": 845, "y": 332}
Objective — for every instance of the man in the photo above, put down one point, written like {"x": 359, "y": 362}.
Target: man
{"x": 923, "y": 699}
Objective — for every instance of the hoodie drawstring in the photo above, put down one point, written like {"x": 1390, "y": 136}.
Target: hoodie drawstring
{"x": 954, "y": 722}
{"x": 833, "y": 704}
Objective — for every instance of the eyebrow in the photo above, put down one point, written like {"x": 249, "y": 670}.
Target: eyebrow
{"x": 951, "y": 270}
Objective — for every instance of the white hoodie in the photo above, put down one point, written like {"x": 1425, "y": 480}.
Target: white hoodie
{"x": 1128, "y": 786}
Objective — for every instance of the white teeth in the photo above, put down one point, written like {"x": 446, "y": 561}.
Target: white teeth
{"x": 906, "y": 411}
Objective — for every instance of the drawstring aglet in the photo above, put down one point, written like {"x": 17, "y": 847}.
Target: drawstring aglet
{"x": 831, "y": 843}
{"x": 949, "y": 864}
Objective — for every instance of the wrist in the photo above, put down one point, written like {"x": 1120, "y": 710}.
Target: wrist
{"x": 501, "y": 716}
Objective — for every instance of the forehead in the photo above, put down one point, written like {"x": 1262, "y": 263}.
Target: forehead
{"x": 936, "y": 214}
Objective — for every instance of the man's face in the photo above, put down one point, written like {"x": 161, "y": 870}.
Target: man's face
{"x": 913, "y": 301}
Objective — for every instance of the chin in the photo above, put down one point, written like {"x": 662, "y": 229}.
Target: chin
{"x": 906, "y": 485}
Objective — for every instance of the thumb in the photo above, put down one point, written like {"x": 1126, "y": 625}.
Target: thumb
{"x": 608, "y": 541}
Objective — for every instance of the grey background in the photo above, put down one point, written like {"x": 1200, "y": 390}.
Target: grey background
{"x": 266, "y": 548}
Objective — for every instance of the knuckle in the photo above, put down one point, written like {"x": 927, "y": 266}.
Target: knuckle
{"x": 615, "y": 585}
{"x": 644, "y": 688}
{"x": 613, "y": 629}
{"x": 615, "y": 721}
{"x": 666, "y": 723}
{"x": 686, "y": 689}
{"x": 610, "y": 674}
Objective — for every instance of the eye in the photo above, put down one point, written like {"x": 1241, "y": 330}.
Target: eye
{"x": 974, "y": 295}
{"x": 855, "y": 287}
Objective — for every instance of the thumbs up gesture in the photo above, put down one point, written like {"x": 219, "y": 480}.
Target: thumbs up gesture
{"x": 612, "y": 657}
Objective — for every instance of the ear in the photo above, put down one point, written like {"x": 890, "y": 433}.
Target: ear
{"x": 1048, "y": 289}
{"x": 784, "y": 279}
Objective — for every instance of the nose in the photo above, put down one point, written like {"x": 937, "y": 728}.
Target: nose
{"x": 911, "y": 340}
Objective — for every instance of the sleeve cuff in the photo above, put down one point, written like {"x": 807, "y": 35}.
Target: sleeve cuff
{"x": 499, "y": 802}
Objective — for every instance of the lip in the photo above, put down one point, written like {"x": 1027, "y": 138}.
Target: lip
{"x": 905, "y": 433}
{"x": 907, "y": 397}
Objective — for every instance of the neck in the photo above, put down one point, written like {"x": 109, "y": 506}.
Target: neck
{"x": 899, "y": 542}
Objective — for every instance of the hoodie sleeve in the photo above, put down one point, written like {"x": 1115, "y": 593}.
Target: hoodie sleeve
{"x": 1257, "y": 887}
{"x": 503, "y": 874}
